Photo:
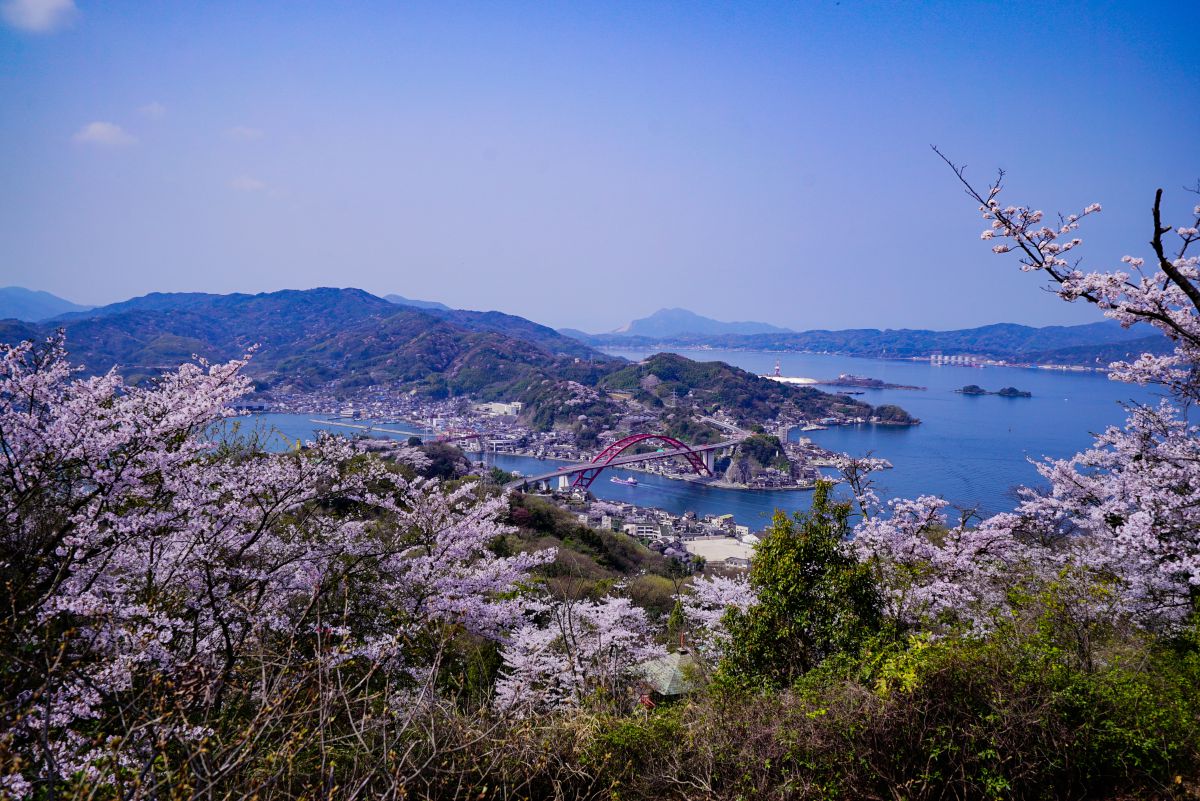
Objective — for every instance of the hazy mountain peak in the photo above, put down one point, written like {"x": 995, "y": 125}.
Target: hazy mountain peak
{"x": 400, "y": 300}
{"x": 32, "y": 305}
{"x": 671, "y": 322}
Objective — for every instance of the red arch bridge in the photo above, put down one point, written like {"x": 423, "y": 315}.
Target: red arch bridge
{"x": 698, "y": 457}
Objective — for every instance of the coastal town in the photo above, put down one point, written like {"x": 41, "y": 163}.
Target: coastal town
{"x": 762, "y": 458}
{"x": 599, "y": 401}
{"x": 755, "y": 460}
{"x": 697, "y": 541}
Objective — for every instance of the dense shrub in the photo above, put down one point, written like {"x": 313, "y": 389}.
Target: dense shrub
{"x": 814, "y": 598}
{"x": 998, "y": 718}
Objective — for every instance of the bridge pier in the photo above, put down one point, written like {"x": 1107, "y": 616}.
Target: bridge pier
{"x": 710, "y": 459}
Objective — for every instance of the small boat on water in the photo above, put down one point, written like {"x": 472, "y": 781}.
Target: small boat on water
{"x": 629, "y": 482}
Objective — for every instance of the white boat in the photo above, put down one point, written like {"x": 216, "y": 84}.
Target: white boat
{"x": 629, "y": 482}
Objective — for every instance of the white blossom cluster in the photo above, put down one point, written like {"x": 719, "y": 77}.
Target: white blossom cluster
{"x": 1124, "y": 514}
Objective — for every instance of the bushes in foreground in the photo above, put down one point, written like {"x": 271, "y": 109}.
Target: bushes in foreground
{"x": 1007, "y": 717}
{"x": 1001, "y": 718}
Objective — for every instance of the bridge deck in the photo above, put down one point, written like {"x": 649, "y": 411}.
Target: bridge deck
{"x": 633, "y": 458}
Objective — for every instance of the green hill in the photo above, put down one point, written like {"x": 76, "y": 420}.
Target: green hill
{"x": 345, "y": 340}
{"x": 716, "y": 386}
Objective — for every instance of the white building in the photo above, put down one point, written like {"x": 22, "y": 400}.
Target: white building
{"x": 641, "y": 528}
{"x": 499, "y": 409}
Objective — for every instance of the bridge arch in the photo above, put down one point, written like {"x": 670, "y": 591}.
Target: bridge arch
{"x": 605, "y": 457}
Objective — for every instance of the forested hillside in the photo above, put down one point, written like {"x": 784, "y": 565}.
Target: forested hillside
{"x": 309, "y": 338}
{"x": 668, "y": 378}
{"x": 344, "y": 340}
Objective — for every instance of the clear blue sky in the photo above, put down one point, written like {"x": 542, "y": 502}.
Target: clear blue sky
{"x": 583, "y": 164}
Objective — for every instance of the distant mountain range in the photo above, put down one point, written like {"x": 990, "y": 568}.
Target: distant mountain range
{"x": 31, "y": 306}
{"x": 675, "y": 322}
{"x": 1092, "y": 344}
{"x": 150, "y": 331}
{"x": 346, "y": 341}
{"x": 309, "y": 338}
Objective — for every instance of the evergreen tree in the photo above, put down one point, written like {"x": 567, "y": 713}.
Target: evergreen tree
{"x": 815, "y": 599}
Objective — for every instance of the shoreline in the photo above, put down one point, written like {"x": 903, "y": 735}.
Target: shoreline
{"x": 665, "y": 348}
{"x": 692, "y": 479}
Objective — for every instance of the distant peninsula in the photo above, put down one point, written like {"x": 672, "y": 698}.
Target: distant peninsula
{"x": 862, "y": 382}
{"x": 1091, "y": 346}
{"x": 1007, "y": 392}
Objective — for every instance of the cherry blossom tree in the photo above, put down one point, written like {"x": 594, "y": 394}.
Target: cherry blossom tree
{"x": 571, "y": 651}
{"x": 856, "y": 472}
{"x": 154, "y": 577}
{"x": 1124, "y": 513}
{"x": 934, "y": 572}
{"x": 705, "y": 606}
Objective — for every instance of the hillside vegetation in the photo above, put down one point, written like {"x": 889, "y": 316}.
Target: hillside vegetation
{"x": 304, "y": 339}
{"x": 715, "y": 386}
{"x": 345, "y": 340}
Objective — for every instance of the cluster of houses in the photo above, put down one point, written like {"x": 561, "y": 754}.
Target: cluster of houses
{"x": 716, "y": 539}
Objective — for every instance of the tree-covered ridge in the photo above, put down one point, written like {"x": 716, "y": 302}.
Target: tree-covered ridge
{"x": 709, "y": 387}
{"x": 309, "y": 338}
{"x": 347, "y": 340}
{"x": 516, "y": 327}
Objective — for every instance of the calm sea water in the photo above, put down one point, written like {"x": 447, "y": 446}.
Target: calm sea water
{"x": 749, "y": 507}
{"x": 970, "y": 450}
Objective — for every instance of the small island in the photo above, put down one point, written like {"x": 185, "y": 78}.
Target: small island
{"x": 1007, "y": 392}
{"x": 892, "y": 415}
{"x": 847, "y": 380}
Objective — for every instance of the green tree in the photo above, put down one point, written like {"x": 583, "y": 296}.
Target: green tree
{"x": 675, "y": 622}
{"x": 890, "y": 413}
{"x": 499, "y": 477}
{"x": 814, "y": 598}
{"x": 445, "y": 461}
{"x": 763, "y": 448}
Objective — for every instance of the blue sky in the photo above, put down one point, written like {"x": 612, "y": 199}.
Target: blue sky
{"x": 583, "y": 164}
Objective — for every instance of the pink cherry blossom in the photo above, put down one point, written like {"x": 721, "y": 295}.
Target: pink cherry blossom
{"x": 705, "y": 604}
{"x": 569, "y": 651}
{"x": 1124, "y": 514}
{"x": 134, "y": 545}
